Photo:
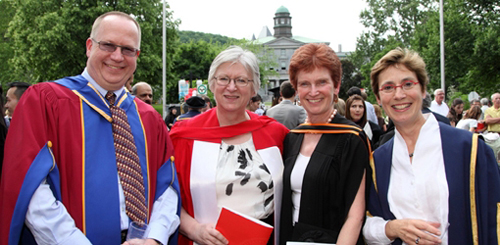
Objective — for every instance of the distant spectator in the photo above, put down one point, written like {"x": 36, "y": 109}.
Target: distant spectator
{"x": 370, "y": 111}
{"x": 128, "y": 84}
{"x": 208, "y": 102}
{"x": 455, "y": 113}
{"x": 3, "y": 130}
{"x": 474, "y": 102}
{"x": 438, "y": 105}
{"x": 470, "y": 120}
{"x": 355, "y": 111}
{"x": 254, "y": 105}
{"x": 484, "y": 106}
{"x": 143, "y": 91}
{"x": 170, "y": 118}
{"x": 380, "y": 118}
{"x": 194, "y": 104}
{"x": 340, "y": 106}
{"x": 16, "y": 90}
{"x": 286, "y": 112}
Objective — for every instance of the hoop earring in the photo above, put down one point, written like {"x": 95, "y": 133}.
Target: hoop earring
{"x": 335, "y": 98}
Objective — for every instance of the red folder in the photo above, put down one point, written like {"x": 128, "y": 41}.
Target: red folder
{"x": 238, "y": 228}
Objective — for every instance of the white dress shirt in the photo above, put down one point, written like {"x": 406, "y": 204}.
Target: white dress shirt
{"x": 441, "y": 109}
{"x": 420, "y": 189}
{"x": 50, "y": 222}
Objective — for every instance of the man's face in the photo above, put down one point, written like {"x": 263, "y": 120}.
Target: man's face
{"x": 12, "y": 101}
{"x": 145, "y": 93}
{"x": 439, "y": 97}
{"x": 496, "y": 100}
{"x": 111, "y": 70}
{"x": 477, "y": 103}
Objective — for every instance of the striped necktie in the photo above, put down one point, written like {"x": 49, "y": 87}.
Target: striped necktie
{"x": 127, "y": 161}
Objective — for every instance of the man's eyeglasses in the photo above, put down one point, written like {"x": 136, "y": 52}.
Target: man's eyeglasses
{"x": 111, "y": 47}
{"x": 390, "y": 88}
{"x": 239, "y": 81}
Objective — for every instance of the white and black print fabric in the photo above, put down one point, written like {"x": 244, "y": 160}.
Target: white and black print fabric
{"x": 243, "y": 180}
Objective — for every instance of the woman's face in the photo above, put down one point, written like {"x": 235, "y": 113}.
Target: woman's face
{"x": 402, "y": 106}
{"x": 459, "y": 108}
{"x": 316, "y": 92}
{"x": 232, "y": 98}
{"x": 174, "y": 111}
{"x": 357, "y": 109}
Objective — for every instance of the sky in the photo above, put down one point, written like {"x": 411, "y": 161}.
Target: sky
{"x": 334, "y": 21}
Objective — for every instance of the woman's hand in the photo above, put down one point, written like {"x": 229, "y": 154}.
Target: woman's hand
{"x": 413, "y": 231}
{"x": 207, "y": 234}
{"x": 200, "y": 233}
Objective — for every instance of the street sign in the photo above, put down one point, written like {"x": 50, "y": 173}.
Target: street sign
{"x": 202, "y": 89}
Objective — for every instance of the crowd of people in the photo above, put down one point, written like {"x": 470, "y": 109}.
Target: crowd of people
{"x": 86, "y": 158}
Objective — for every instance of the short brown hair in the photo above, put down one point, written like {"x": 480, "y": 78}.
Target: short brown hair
{"x": 314, "y": 55}
{"x": 410, "y": 59}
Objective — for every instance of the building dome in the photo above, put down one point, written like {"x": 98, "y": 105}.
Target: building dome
{"x": 282, "y": 9}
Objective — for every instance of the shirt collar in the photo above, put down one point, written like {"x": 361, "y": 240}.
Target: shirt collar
{"x": 101, "y": 90}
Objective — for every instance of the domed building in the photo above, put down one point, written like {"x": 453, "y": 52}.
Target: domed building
{"x": 284, "y": 44}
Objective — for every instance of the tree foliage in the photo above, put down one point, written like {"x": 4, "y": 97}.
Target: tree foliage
{"x": 472, "y": 43}
{"x": 188, "y": 36}
{"x": 49, "y": 37}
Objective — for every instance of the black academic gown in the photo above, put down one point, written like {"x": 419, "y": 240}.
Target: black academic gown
{"x": 330, "y": 182}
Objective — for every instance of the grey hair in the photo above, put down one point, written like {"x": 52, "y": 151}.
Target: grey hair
{"x": 235, "y": 54}
{"x": 438, "y": 90}
{"x": 134, "y": 88}
{"x": 484, "y": 101}
{"x": 426, "y": 101}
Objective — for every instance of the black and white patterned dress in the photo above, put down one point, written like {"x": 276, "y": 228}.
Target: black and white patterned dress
{"x": 243, "y": 181}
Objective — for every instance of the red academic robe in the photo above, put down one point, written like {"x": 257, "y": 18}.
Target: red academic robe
{"x": 61, "y": 132}
{"x": 204, "y": 134}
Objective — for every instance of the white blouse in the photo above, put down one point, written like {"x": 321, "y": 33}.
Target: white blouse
{"x": 420, "y": 189}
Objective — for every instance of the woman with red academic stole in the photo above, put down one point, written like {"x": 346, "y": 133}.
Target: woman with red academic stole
{"x": 326, "y": 158}
{"x": 228, "y": 156}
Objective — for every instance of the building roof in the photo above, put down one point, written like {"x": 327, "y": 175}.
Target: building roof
{"x": 265, "y": 40}
{"x": 282, "y": 9}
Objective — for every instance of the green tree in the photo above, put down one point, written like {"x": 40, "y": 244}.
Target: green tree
{"x": 6, "y": 50}
{"x": 49, "y": 37}
{"x": 350, "y": 77}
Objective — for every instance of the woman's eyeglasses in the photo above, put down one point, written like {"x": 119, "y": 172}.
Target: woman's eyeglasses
{"x": 239, "y": 81}
{"x": 389, "y": 88}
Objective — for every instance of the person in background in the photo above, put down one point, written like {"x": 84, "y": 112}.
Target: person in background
{"x": 438, "y": 105}
{"x": 195, "y": 104}
{"x": 492, "y": 114}
{"x": 326, "y": 158}
{"x": 228, "y": 156}
{"x": 143, "y": 91}
{"x": 474, "y": 102}
{"x": 470, "y": 120}
{"x": 286, "y": 112}
{"x": 208, "y": 102}
{"x": 254, "y": 105}
{"x": 340, "y": 107}
{"x": 3, "y": 131}
{"x": 65, "y": 177}
{"x": 429, "y": 180}
{"x": 170, "y": 118}
{"x": 456, "y": 110}
{"x": 16, "y": 90}
{"x": 128, "y": 84}
{"x": 484, "y": 107}
{"x": 356, "y": 112}
{"x": 380, "y": 117}
{"x": 370, "y": 112}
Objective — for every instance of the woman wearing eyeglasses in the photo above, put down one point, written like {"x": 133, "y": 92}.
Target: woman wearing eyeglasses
{"x": 326, "y": 158}
{"x": 432, "y": 183}
{"x": 228, "y": 156}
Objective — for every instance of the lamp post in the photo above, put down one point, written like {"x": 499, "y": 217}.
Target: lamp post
{"x": 441, "y": 32}
{"x": 164, "y": 57}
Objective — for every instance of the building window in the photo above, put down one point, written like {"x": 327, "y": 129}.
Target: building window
{"x": 283, "y": 52}
{"x": 282, "y": 21}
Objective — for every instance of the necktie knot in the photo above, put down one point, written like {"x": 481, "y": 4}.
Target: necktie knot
{"x": 110, "y": 96}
